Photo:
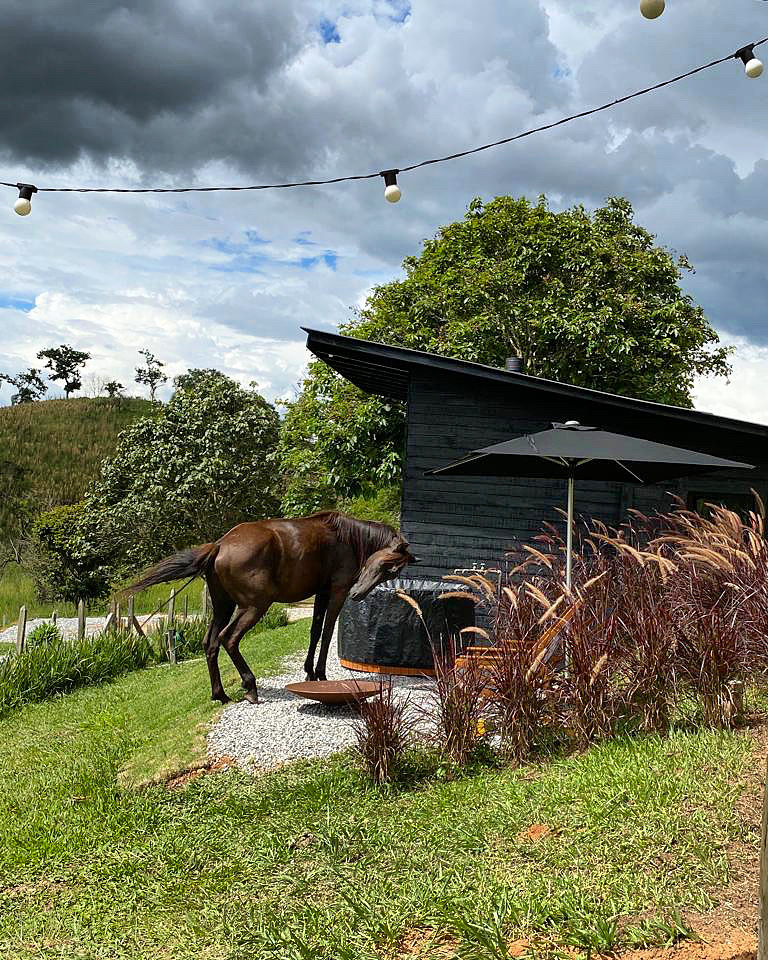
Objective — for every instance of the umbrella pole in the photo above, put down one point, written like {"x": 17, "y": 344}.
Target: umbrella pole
{"x": 569, "y": 564}
{"x": 569, "y": 535}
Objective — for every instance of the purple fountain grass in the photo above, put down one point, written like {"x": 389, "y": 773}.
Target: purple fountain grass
{"x": 382, "y": 734}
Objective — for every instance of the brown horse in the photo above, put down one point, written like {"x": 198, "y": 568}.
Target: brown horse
{"x": 327, "y": 555}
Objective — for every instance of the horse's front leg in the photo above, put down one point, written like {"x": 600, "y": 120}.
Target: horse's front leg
{"x": 335, "y": 602}
{"x": 318, "y": 616}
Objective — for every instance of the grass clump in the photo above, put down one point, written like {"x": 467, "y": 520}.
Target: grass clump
{"x": 382, "y": 733}
{"x": 43, "y": 635}
{"x": 43, "y": 670}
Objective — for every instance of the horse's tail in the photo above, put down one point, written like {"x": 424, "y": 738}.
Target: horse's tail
{"x": 187, "y": 563}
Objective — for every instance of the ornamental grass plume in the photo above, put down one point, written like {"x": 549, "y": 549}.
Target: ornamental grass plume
{"x": 457, "y": 704}
{"x": 719, "y": 605}
{"x": 644, "y": 642}
{"x": 520, "y": 674}
{"x": 382, "y": 734}
{"x": 455, "y": 707}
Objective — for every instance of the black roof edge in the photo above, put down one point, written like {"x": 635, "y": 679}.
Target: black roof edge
{"x": 405, "y": 358}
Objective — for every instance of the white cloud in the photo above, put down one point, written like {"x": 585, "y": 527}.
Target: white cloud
{"x": 745, "y": 396}
{"x": 228, "y": 279}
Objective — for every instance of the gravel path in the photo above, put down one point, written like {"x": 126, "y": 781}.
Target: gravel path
{"x": 68, "y": 626}
{"x": 285, "y": 727}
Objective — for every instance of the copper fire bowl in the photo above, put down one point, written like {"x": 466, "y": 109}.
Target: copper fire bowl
{"x": 335, "y": 691}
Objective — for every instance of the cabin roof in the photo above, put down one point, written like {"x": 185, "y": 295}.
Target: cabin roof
{"x": 386, "y": 371}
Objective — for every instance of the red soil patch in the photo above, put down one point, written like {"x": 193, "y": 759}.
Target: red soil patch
{"x": 179, "y": 780}
{"x": 728, "y": 944}
{"x": 535, "y": 833}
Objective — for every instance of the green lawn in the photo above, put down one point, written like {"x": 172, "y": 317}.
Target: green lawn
{"x": 309, "y": 863}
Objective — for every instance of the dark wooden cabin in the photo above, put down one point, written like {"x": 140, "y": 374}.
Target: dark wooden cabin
{"x": 454, "y": 406}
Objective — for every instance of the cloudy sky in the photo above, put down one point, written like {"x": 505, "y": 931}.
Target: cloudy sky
{"x": 185, "y": 92}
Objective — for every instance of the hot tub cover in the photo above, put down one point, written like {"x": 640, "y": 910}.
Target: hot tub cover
{"x": 384, "y": 631}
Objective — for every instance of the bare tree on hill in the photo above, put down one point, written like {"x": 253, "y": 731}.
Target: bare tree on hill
{"x": 152, "y": 374}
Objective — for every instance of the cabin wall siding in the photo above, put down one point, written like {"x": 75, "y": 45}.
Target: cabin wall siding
{"x": 453, "y": 522}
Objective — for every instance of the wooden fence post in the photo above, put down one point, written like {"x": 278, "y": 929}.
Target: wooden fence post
{"x": 21, "y": 630}
{"x": 206, "y": 600}
{"x": 172, "y": 608}
{"x": 80, "y": 620}
{"x": 762, "y": 946}
{"x": 170, "y": 636}
{"x": 130, "y": 615}
{"x": 109, "y": 623}
{"x": 54, "y": 617}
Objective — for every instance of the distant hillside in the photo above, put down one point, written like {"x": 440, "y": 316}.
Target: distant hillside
{"x": 52, "y": 449}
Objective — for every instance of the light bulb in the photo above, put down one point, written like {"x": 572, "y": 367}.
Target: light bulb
{"x": 23, "y": 205}
{"x": 651, "y": 9}
{"x": 391, "y": 190}
{"x": 752, "y": 66}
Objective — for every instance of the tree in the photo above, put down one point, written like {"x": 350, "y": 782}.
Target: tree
{"x": 65, "y": 363}
{"x": 152, "y": 374}
{"x": 203, "y": 463}
{"x": 113, "y": 389}
{"x": 29, "y": 386}
{"x": 68, "y": 559}
{"x": 587, "y": 299}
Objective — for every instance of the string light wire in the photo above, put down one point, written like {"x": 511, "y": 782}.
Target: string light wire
{"x": 413, "y": 166}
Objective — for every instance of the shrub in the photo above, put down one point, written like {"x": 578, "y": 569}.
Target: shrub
{"x": 59, "y": 666}
{"x": 67, "y": 560}
{"x": 382, "y": 735}
{"x": 663, "y": 609}
{"x": 43, "y": 635}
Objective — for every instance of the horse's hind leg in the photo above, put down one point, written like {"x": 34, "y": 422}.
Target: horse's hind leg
{"x": 230, "y": 640}
{"x": 223, "y": 608}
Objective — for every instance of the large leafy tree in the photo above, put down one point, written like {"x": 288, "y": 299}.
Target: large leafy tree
{"x": 66, "y": 364}
{"x": 204, "y": 463}
{"x": 585, "y": 298}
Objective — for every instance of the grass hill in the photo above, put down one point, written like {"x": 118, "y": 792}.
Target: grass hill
{"x": 52, "y": 449}
{"x": 49, "y": 453}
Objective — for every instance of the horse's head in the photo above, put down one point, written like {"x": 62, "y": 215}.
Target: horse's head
{"x": 383, "y": 565}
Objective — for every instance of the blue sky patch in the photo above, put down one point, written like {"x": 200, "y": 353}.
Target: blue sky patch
{"x": 329, "y": 258}
{"x": 8, "y": 302}
{"x": 402, "y": 11}
{"x": 329, "y": 32}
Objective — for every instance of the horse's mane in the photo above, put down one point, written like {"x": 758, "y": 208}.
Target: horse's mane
{"x": 364, "y": 536}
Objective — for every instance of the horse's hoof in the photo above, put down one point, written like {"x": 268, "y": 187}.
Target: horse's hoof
{"x": 222, "y": 699}
{"x": 311, "y": 677}
{"x": 252, "y": 696}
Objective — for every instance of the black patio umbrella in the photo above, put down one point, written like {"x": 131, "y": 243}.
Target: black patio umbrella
{"x": 569, "y": 449}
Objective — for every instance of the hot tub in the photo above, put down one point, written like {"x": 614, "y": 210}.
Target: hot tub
{"x": 384, "y": 634}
